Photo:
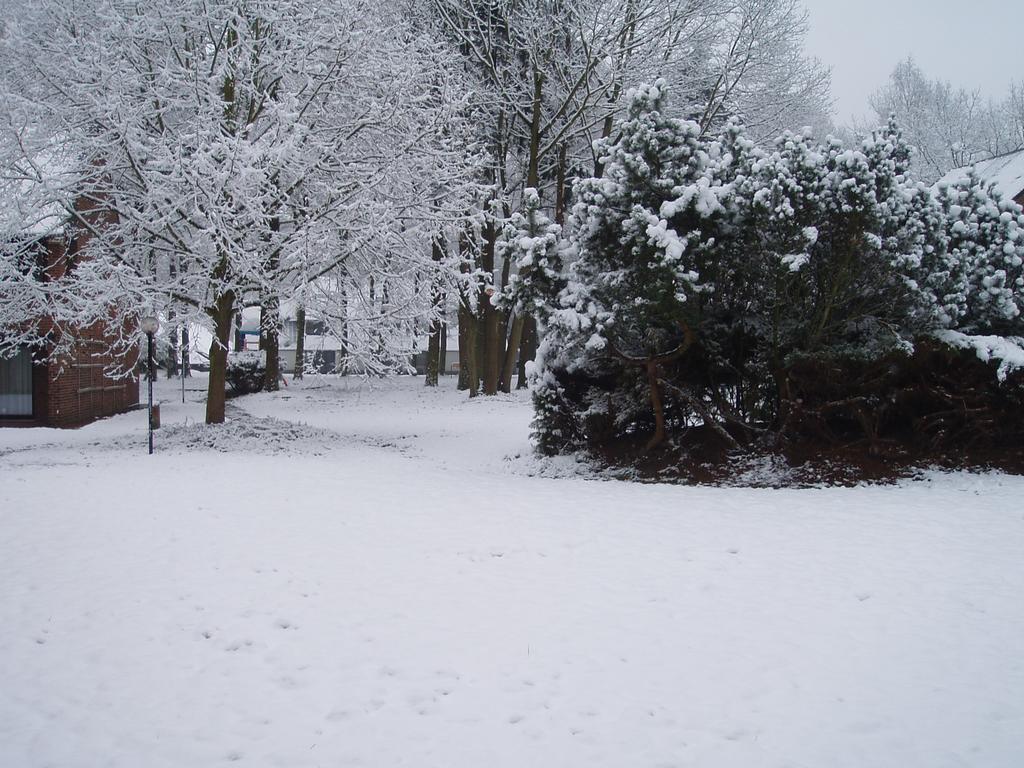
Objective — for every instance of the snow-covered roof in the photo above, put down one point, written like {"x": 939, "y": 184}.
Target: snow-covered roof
{"x": 1005, "y": 171}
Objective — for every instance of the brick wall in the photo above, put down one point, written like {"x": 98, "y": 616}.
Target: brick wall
{"x": 74, "y": 390}
{"x": 78, "y": 390}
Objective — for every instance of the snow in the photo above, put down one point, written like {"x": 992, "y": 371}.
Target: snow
{"x": 1005, "y": 171}
{"x": 391, "y": 581}
{"x": 795, "y": 261}
{"x": 1007, "y": 351}
{"x": 33, "y": 201}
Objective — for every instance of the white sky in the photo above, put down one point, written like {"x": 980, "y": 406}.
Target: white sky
{"x": 971, "y": 43}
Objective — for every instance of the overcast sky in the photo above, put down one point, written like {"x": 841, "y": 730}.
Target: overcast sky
{"x": 971, "y": 43}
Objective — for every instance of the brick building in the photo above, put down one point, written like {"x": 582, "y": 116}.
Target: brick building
{"x": 69, "y": 391}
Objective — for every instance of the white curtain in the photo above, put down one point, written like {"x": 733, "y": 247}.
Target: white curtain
{"x": 16, "y": 384}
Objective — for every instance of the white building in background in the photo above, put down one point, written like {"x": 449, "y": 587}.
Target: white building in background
{"x": 449, "y": 364}
{"x": 324, "y": 352}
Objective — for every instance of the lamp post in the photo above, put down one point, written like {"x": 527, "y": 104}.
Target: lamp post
{"x": 150, "y": 325}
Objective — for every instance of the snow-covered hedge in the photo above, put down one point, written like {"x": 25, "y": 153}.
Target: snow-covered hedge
{"x": 246, "y": 371}
{"x": 711, "y": 280}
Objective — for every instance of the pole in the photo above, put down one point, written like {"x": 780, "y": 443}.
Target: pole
{"x": 149, "y": 375}
{"x": 184, "y": 357}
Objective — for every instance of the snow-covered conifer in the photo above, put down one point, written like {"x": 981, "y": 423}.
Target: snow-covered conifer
{"x": 532, "y": 242}
{"x": 712, "y": 277}
{"x": 642, "y": 232}
{"x": 986, "y": 237}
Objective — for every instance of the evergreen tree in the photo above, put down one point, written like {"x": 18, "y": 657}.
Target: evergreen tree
{"x": 986, "y": 239}
{"x": 642, "y": 231}
{"x": 532, "y": 243}
{"x": 745, "y": 291}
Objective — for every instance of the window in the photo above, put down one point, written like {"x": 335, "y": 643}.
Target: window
{"x": 314, "y": 327}
{"x": 16, "y": 384}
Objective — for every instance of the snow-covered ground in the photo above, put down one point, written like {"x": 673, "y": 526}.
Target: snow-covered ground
{"x": 357, "y": 575}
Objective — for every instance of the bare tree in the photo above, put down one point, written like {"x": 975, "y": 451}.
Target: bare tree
{"x": 552, "y": 77}
{"x": 223, "y": 136}
{"x": 949, "y": 127}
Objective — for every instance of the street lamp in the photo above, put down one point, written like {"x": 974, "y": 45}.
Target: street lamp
{"x": 150, "y": 325}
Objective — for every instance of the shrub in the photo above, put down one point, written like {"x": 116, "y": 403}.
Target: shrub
{"x": 793, "y": 298}
{"x": 246, "y": 372}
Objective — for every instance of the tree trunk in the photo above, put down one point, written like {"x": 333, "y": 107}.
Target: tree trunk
{"x": 527, "y": 350}
{"x": 437, "y": 321}
{"x": 172, "y": 347}
{"x": 385, "y": 303}
{"x": 223, "y": 312}
{"x": 625, "y": 43}
{"x": 515, "y": 336}
{"x": 492, "y": 350}
{"x": 465, "y": 319}
{"x": 560, "y": 187}
{"x": 442, "y": 354}
{"x": 492, "y": 339}
{"x": 186, "y": 363}
{"x": 300, "y": 344}
{"x": 471, "y": 361}
{"x": 433, "y": 353}
{"x": 270, "y": 320}
{"x": 481, "y": 352}
{"x": 515, "y": 339}
{"x": 657, "y": 406}
{"x": 533, "y": 165}
{"x": 270, "y": 341}
{"x": 239, "y": 337}
{"x": 172, "y": 333}
{"x": 341, "y": 363}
